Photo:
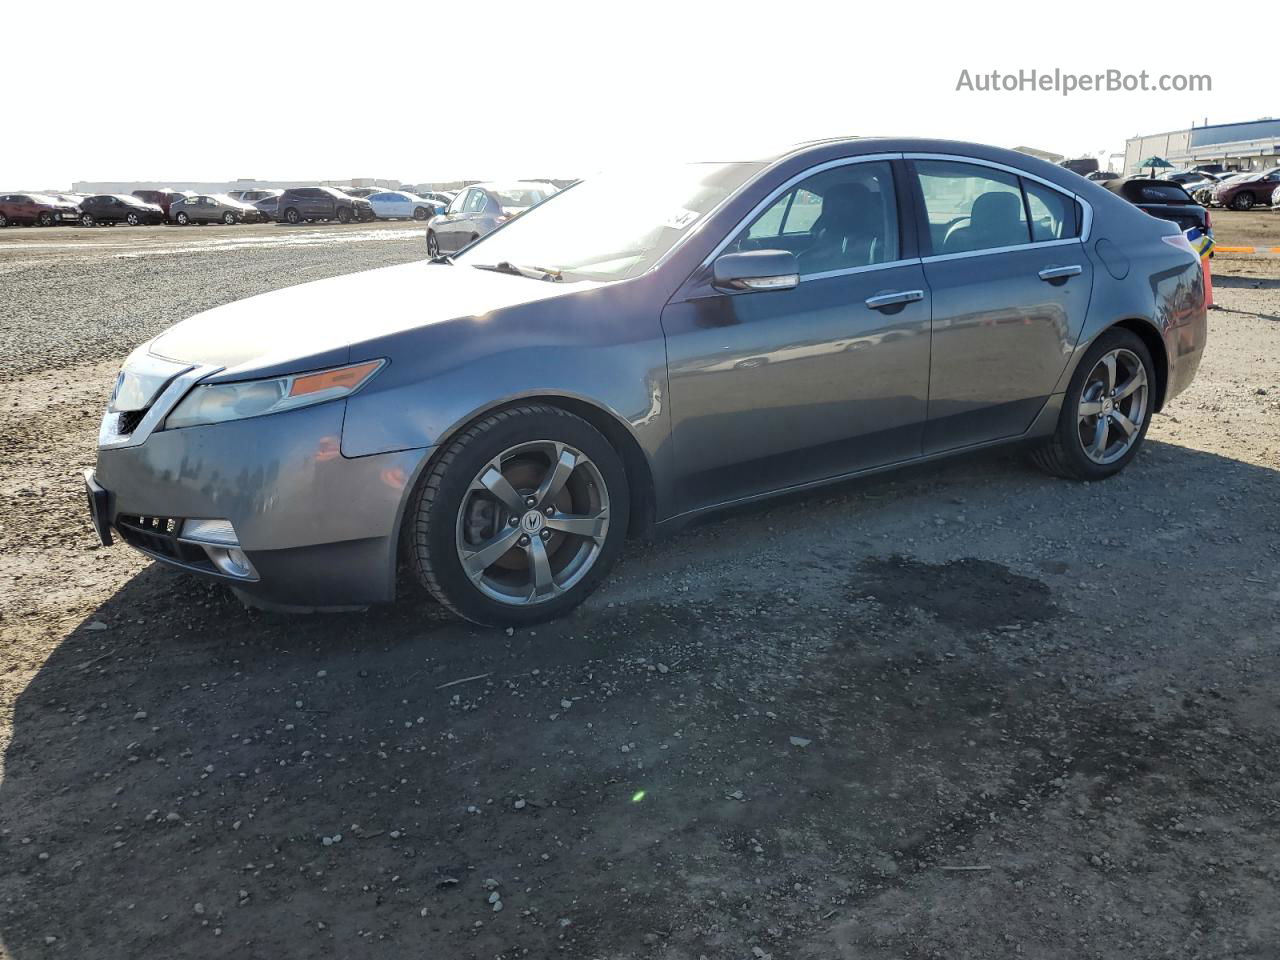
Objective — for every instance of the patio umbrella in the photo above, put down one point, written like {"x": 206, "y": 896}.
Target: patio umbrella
{"x": 1153, "y": 163}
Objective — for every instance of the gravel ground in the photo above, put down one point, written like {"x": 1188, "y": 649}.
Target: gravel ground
{"x": 965, "y": 710}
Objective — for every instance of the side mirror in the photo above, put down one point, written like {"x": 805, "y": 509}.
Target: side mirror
{"x": 756, "y": 270}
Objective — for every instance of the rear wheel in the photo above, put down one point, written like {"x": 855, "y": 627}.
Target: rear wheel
{"x": 1243, "y": 201}
{"x": 1106, "y": 411}
{"x": 433, "y": 245}
{"x": 521, "y": 517}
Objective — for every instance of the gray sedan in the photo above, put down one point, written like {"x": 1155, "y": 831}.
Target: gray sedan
{"x": 480, "y": 209}
{"x": 213, "y": 208}
{"x": 505, "y": 418}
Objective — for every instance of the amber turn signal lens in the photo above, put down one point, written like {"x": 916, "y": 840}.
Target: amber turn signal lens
{"x": 344, "y": 378}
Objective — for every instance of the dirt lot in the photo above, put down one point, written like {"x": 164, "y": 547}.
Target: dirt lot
{"x": 963, "y": 711}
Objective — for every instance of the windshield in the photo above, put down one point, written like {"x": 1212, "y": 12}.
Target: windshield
{"x": 613, "y": 226}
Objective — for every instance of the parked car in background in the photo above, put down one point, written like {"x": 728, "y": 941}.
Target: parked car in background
{"x": 268, "y": 206}
{"x": 1248, "y": 190}
{"x": 1102, "y": 175}
{"x": 1166, "y": 200}
{"x": 481, "y": 208}
{"x": 36, "y": 209}
{"x": 321, "y": 203}
{"x": 363, "y": 192}
{"x": 253, "y": 196}
{"x": 119, "y": 208}
{"x": 213, "y": 208}
{"x": 162, "y": 198}
{"x": 396, "y": 204}
{"x": 641, "y": 350}
{"x": 441, "y": 198}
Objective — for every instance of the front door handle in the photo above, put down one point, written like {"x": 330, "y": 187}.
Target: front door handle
{"x": 882, "y": 300}
{"x": 1050, "y": 274}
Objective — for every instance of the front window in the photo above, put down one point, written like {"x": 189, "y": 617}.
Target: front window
{"x": 613, "y": 226}
{"x": 839, "y": 219}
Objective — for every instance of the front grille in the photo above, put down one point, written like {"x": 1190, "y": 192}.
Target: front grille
{"x": 159, "y": 535}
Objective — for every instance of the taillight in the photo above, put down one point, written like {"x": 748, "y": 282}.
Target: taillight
{"x": 1180, "y": 241}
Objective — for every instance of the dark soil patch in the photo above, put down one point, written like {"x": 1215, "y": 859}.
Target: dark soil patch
{"x": 968, "y": 593}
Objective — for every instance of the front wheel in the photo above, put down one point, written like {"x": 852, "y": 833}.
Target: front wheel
{"x": 1243, "y": 201}
{"x": 292, "y": 216}
{"x": 521, "y": 517}
{"x": 86, "y": 220}
{"x": 229, "y": 218}
{"x": 419, "y": 213}
{"x": 344, "y": 215}
{"x": 45, "y": 219}
{"x": 132, "y": 219}
{"x": 4, "y": 221}
{"x": 182, "y": 219}
{"x": 433, "y": 245}
{"x": 1106, "y": 411}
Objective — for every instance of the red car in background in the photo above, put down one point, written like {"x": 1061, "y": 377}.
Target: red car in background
{"x": 35, "y": 208}
{"x": 1248, "y": 190}
{"x": 162, "y": 198}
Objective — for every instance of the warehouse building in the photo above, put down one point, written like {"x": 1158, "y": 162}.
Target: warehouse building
{"x": 1252, "y": 145}
{"x": 222, "y": 186}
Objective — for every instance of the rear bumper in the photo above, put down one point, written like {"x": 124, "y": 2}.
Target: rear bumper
{"x": 319, "y": 529}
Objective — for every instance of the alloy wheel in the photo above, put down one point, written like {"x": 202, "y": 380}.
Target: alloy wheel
{"x": 1113, "y": 406}
{"x": 533, "y": 522}
{"x": 433, "y": 245}
{"x": 133, "y": 219}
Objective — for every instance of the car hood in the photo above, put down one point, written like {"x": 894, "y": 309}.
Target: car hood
{"x": 315, "y": 324}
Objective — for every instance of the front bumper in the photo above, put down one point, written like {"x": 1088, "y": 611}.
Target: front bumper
{"x": 319, "y": 529}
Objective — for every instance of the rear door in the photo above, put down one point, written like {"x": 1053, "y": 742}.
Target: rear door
{"x": 1011, "y": 283}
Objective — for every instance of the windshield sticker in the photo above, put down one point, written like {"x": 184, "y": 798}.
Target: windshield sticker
{"x": 680, "y": 219}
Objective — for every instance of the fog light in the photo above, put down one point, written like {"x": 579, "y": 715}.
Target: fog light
{"x": 231, "y": 561}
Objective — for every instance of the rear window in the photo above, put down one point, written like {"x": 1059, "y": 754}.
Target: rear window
{"x": 1156, "y": 193}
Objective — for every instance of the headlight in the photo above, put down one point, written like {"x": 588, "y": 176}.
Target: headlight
{"x": 220, "y": 402}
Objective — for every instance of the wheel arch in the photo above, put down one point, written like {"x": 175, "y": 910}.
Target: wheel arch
{"x": 1146, "y": 331}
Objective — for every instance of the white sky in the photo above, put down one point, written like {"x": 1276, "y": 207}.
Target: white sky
{"x": 215, "y": 91}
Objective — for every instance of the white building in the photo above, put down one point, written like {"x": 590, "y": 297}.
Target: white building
{"x": 222, "y": 186}
{"x": 1252, "y": 145}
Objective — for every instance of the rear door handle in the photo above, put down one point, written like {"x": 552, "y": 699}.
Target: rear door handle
{"x": 1049, "y": 274}
{"x": 882, "y": 300}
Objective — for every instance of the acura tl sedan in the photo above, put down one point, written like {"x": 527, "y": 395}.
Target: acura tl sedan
{"x": 502, "y": 420}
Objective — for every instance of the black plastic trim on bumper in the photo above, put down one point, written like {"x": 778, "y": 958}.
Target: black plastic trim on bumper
{"x": 99, "y": 507}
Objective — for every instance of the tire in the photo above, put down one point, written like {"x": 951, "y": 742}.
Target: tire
{"x": 182, "y": 218}
{"x": 292, "y": 216}
{"x": 1065, "y": 454}
{"x": 419, "y": 213}
{"x": 1242, "y": 201}
{"x": 433, "y": 244}
{"x": 4, "y": 221}
{"x": 453, "y": 515}
{"x": 86, "y": 220}
{"x": 45, "y": 219}
{"x": 344, "y": 215}
{"x": 133, "y": 220}
{"x": 229, "y": 218}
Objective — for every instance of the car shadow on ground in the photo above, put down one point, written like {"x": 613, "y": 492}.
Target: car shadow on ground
{"x": 667, "y": 776}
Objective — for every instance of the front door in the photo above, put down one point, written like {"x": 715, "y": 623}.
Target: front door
{"x": 1011, "y": 285}
{"x": 770, "y": 389}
